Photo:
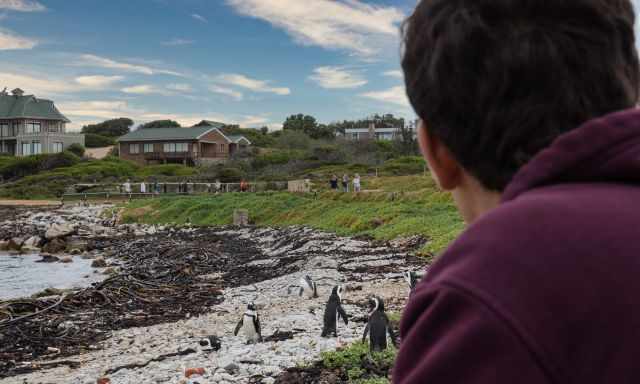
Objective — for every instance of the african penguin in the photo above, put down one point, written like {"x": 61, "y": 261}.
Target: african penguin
{"x": 412, "y": 278}
{"x": 332, "y": 313}
{"x": 308, "y": 287}
{"x": 250, "y": 325}
{"x": 211, "y": 343}
{"x": 378, "y": 326}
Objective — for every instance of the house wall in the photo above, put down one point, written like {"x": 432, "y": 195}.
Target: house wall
{"x": 51, "y": 133}
{"x": 214, "y": 145}
{"x": 158, "y": 149}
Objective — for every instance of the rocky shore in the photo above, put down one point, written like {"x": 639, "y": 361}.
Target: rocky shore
{"x": 168, "y": 288}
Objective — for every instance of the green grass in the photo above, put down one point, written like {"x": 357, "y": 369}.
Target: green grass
{"x": 406, "y": 205}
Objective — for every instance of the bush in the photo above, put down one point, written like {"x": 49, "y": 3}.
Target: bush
{"x": 93, "y": 140}
{"x": 407, "y": 165}
{"x": 30, "y": 165}
{"x": 288, "y": 139}
{"x": 230, "y": 175}
{"x": 76, "y": 149}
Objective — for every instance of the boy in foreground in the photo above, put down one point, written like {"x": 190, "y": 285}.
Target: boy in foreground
{"x": 528, "y": 120}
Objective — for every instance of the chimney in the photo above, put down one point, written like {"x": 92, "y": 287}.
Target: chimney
{"x": 372, "y": 130}
{"x": 17, "y": 92}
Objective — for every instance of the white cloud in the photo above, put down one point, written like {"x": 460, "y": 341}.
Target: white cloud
{"x": 199, "y": 17}
{"x": 176, "y": 41}
{"x": 103, "y": 62}
{"x": 181, "y": 87}
{"x": 9, "y": 40}
{"x": 395, "y": 95}
{"x": 333, "y": 24}
{"x": 337, "y": 78}
{"x": 252, "y": 84}
{"x": 22, "y": 5}
{"x": 98, "y": 81}
{"x": 146, "y": 89}
{"x": 39, "y": 85}
{"x": 226, "y": 91}
{"x": 394, "y": 73}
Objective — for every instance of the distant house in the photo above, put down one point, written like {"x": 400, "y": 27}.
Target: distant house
{"x": 31, "y": 126}
{"x": 201, "y": 144}
{"x": 373, "y": 133}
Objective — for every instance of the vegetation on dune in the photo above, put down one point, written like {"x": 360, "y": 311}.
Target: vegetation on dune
{"x": 55, "y": 182}
{"x": 403, "y": 206}
{"x": 92, "y": 140}
{"x": 12, "y": 167}
{"x": 361, "y": 366}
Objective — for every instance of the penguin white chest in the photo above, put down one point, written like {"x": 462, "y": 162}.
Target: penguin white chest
{"x": 248, "y": 328}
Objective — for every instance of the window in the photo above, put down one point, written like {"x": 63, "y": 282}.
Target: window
{"x": 134, "y": 149}
{"x": 56, "y": 147}
{"x": 26, "y": 149}
{"x": 4, "y": 129}
{"x": 37, "y": 148}
{"x": 16, "y": 129}
{"x": 176, "y": 147}
{"x": 148, "y": 148}
{"x": 354, "y": 136}
{"x": 32, "y": 127}
{"x": 221, "y": 148}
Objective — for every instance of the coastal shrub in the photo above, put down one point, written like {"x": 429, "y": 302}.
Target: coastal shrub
{"x": 175, "y": 170}
{"x": 16, "y": 167}
{"x": 407, "y": 165}
{"x": 354, "y": 358}
{"x": 76, "y": 149}
{"x": 92, "y": 140}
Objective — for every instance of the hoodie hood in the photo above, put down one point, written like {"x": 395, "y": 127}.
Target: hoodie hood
{"x": 603, "y": 150}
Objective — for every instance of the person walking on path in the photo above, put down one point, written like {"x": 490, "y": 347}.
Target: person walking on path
{"x": 334, "y": 182}
{"x": 356, "y": 183}
{"x": 143, "y": 187}
{"x": 345, "y": 183}
{"x": 218, "y": 186}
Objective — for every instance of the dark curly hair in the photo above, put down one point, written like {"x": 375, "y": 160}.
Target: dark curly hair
{"x": 499, "y": 80}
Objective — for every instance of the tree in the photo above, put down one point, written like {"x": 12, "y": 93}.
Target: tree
{"x": 92, "y": 140}
{"x": 160, "y": 124}
{"x": 264, "y": 130}
{"x": 307, "y": 124}
{"x": 110, "y": 128}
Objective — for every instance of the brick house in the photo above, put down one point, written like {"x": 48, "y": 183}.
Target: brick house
{"x": 31, "y": 126}
{"x": 190, "y": 146}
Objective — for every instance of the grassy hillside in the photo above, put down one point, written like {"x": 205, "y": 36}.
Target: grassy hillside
{"x": 404, "y": 205}
{"x": 53, "y": 183}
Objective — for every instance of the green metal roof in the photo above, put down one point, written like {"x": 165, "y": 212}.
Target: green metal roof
{"x": 29, "y": 107}
{"x": 150, "y": 134}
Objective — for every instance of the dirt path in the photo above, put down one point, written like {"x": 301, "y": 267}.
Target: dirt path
{"x": 29, "y": 203}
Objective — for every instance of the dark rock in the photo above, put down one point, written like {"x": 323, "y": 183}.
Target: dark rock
{"x": 232, "y": 368}
{"x": 56, "y": 245}
{"x": 99, "y": 262}
{"x": 47, "y": 258}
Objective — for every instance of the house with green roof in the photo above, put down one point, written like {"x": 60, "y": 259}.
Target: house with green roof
{"x": 31, "y": 126}
{"x": 204, "y": 143}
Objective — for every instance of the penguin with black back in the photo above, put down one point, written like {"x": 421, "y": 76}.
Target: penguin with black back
{"x": 412, "y": 278}
{"x": 250, "y": 325}
{"x": 308, "y": 287}
{"x": 378, "y": 326}
{"x": 333, "y": 312}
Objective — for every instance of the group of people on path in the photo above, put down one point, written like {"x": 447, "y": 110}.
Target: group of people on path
{"x": 184, "y": 187}
{"x": 345, "y": 183}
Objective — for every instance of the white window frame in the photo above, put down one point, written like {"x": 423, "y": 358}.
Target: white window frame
{"x": 56, "y": 147}
{"x": 148, "y": 148}
{"x": 169, "y": 147}
{"x": 134, "y": 149}
{"x": 4, "y": 129}
{"x": 182, "y": 147}
{"x": 37, "y": 148}
{"x": 221, "y": 147}
{"x": 30, "y": 127}
{"x": 27, "y": 146}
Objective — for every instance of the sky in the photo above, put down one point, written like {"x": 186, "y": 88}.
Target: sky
{"x": 247, "y": 62}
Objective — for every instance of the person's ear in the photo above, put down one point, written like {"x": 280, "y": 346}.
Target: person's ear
{"x": 444, "y": 167}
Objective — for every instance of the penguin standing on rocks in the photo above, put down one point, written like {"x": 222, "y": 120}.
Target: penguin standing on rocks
{"x": 412, "y": 278}
{"x": 250, "y": 325}
{"x": 332, "y": 313}
{"x": 378, "y": 326}
{"x": 308, "y": 287}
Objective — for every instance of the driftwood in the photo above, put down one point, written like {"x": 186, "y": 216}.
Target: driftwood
{"x": 187, "y": 351}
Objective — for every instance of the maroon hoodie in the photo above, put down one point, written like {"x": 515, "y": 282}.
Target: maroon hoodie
{"x": 545, "y": 288}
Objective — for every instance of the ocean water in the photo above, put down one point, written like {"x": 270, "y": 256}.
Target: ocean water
{"x": 21, "y": 276}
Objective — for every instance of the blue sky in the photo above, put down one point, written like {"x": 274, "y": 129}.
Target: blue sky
{"x": 251, "y": 62}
